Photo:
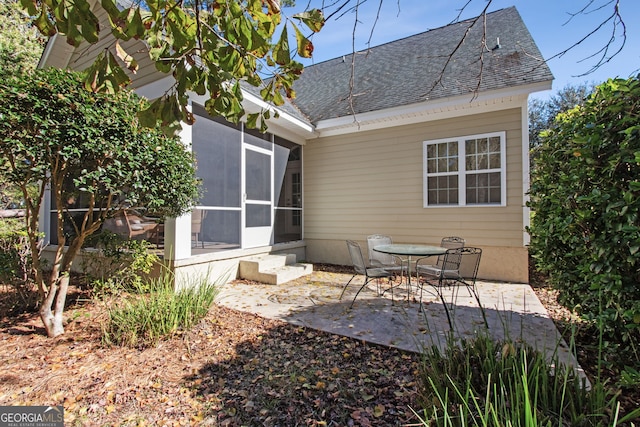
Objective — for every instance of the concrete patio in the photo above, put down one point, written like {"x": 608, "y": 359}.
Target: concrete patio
{"x": 512, "y": 310}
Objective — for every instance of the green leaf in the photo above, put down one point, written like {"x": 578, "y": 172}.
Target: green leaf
{"x": 281, "y": 54}
{"x": 263, "y": 122}
{"x": 110, "y": 7}
{"x": 305, "y": 47}
{"x": 182, "y": 29}
{"x": 105, "y": 74}
{"x": 313, "y": 19}
{"x": 126, "y": 24}
{"x": 30, "y": 6}
{"x": 43, "y": 24}
{"x": 148, "y": 116}
{"x": 76, "y": 21}
{"x": 252, "y": 120}
{"x": 234, "y": 41}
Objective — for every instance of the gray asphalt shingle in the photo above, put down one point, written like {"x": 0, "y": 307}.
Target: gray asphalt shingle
{"x": 410, "y": 70}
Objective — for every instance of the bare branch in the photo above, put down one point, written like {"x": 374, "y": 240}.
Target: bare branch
{"x": 352, "y": 78}
{"x": 373, "y": 27}
{"x": 585, "y": 10}
{"x": 603, "y": 53}
{"x": 438, "y": 81}
{"x": 460, "y": 12}
{"x": 344, "y": 4}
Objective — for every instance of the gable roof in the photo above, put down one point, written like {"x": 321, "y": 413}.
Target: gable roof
{"x": 410, "y": 70}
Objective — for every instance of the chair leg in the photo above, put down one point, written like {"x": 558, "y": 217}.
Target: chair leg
{"x": 440, "y": 294}
{"x": 366, "y": 282}
{"x": 421, "y": 286}
{"x": 382, "y": 292}
{"x": 471, "y": 288}
{"x": 345, "y": 286}
{"x": 454, "y": 294}
{"x": 446, "y": 309}
{"x": 474, "y": 290}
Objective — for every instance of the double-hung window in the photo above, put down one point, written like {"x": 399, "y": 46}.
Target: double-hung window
{"x": 465, "y": 171}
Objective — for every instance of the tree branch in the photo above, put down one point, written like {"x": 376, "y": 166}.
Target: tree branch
{"x": 616, "y": 19}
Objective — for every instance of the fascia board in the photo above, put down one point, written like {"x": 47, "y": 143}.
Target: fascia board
{"x": 254, "y": 104}
{"x": 430, "y": 110}
{"x": 57, "y": 53}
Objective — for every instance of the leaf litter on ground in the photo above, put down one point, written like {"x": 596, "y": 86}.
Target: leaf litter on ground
{"x": 233, "y": 368}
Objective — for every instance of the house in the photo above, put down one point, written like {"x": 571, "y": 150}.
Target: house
{"x": 431, "y": 141}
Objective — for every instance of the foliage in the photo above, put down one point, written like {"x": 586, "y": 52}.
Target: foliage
{"x": 117, "y": 264}
{"x": 208, "y": 46}
{"x": 20, "y": 48}
{"x": 585, "y": 195}
{"x": 144, "y": 320}
{"x": 89, "y": 149}
{"x": 543, "y": 113}
{"x": 20, "y": 43}
{"x": 15, "y": 259}
{"x": 10, "y": 196}
{"x": 485, "y": 383}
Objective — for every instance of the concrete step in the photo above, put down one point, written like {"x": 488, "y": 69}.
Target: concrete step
{"x": 273, "y": 269}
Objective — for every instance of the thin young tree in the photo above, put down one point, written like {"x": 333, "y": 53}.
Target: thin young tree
{"x": 58, "y": 137}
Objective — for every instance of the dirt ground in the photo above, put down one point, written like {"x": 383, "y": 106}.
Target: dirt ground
{"x": 232, "y": 369}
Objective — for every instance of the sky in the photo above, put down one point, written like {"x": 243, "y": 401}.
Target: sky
{"x": 549, "y": 21}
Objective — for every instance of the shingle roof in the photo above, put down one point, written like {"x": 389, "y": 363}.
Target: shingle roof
{"x": 406, "y": 71}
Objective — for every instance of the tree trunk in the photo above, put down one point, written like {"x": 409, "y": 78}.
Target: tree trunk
{"x": 52, "y": 322}
{"x": 50, "y": 313}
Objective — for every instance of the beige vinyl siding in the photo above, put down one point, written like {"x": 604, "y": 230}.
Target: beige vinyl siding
{"x": 372, "y": 182}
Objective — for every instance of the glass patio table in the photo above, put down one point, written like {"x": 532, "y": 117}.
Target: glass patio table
{"x": 409, "y": 250}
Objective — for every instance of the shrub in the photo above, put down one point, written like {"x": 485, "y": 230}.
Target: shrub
{"x": 485, "y": 383}
{"x": 144, "y": 320}
{"x": 90, "y": 152}
{"x": 15, "y": 256}
{"x": 117, "y": 264}
{"x": 585, "y": 195}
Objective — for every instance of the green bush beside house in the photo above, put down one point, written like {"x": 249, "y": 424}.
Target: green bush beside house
{"x": 585, "y": 196}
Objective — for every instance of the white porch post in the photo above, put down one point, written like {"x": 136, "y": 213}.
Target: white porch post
{"x": 177, "y": 237}
{"x": 177, "y": 231}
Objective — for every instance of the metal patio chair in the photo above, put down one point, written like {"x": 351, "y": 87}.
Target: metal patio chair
{"x": 197, "y": 216}
{"x": 459, "y": 267}
{"x": 391, "y": 263}
{"x": 361, "y": 268}
{"x": 451, "y": 242}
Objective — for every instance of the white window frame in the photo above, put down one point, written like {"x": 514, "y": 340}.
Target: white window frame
{"x": 462, "y": 172}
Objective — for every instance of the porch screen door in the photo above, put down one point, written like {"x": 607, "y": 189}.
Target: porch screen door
{"x": 257, "y": 195}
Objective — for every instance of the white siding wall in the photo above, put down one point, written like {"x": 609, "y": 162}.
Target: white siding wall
{"x": 371, "y": 182}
